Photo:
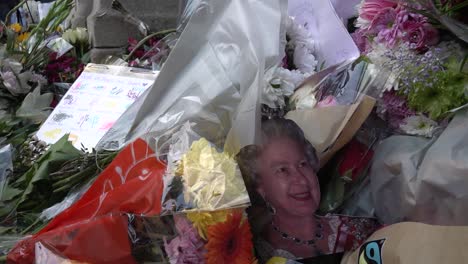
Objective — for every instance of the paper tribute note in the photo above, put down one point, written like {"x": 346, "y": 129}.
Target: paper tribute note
{"x": 93, "y": 103}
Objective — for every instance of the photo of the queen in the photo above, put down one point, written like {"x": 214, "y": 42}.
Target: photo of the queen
{"x": 281, "y": 175}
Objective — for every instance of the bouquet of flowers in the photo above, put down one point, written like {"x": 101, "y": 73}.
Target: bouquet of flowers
{"x": 136, "y": 182}
{"x": 298, "y": 64}
{"x": 427, "y": 64}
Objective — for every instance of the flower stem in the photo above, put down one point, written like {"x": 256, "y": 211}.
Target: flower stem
{"x": 143, "y": 41}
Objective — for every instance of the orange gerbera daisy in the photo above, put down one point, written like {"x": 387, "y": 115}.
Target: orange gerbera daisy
{"x": 230, "y": 241}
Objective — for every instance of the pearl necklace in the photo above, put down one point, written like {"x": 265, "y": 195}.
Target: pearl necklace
{"x": 310, "y": 242}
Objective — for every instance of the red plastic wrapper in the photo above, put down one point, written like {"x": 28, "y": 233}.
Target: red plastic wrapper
{"x": 99, "y": 240}
{"x": 132, "y": 183}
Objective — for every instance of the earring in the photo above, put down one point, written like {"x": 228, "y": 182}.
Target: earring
{"x": 271, "y": 208}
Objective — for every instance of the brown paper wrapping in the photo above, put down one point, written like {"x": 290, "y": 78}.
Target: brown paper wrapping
{"x": 330, "y": 128}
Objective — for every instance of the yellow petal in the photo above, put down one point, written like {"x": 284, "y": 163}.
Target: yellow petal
{"x": 16, "y": 27}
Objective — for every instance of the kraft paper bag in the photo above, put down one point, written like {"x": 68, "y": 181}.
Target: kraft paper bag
{"x": 351, "y": 128}
{"x": 330, "y": 128}
{"x": 413, "y": 243}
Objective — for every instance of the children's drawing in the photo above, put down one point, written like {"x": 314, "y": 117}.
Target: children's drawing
{"x": 106, "y": 126}
{"x": 110, "y": 104}
{"x": 53, "y": 134}
{"x": 93, "y": 121}
{"x": 132, "y": 94}
{"x": 91, "y": 107}
{"x": 116, "y": 91}
{"x": 83, "y": 120}
{"x": 73, "y": 138}
{"x": 79, "y": 86}
{"x": 60, "y": 117}
{"x": 69, "y": 99}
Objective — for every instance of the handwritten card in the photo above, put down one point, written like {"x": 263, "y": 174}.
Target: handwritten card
{"x": 94, "y": 102}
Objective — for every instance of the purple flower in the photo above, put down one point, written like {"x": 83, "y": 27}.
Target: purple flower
{"x": 385, "y": 19}
{"x": 361, "y": 41}
{"x": 389, "y": 37}
{"x": 187, "y": 247}
{"x": 394, "y": 109}
{"x": 416, "y": 30}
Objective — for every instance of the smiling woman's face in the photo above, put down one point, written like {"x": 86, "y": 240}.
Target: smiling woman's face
{"x": 286, "y": 178}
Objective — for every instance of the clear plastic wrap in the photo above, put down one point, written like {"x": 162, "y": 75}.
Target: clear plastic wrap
{"x": 336, "y": 121}
{"x": 45, "y": 254}
{"x": 134, "y": 184}
{"x": 193, "y": 237}
{"x": 212, "y": 76}
{"x": 59, "y": 46}
{"x": 333, "y": 42}
{"x": 6, "y": 167}
{"x": 424, "y": 180}
{"x": 131, "y": 183}
{"x": 71, "y": 198}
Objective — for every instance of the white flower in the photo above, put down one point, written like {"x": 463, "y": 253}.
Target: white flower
{"x": 362, "y": 23}
{"x": 304, "y": 59}
{"x": 304, "y": 47}
{"x": 70, "y": 36}
{"x": 280, "y": 83}
{"x": 82, "y": 35}
{"x": 307, "y": 102}
{"x": 418, "y": 125}
{"x": 74, "y": 36}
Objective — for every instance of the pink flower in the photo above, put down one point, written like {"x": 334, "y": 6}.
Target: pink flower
{"x": 361, "y": 41}
{"x": 416, "y": 30}
{"x": 187, "y": 247}
{"x": 419, "y": 33}
{"x": 371, "y": 8}
{"x": 384, "y": 27}
{"x": 327, "y": 101}
{"x": 385, "y": 19}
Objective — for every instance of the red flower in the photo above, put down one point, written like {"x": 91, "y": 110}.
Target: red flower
{"x": 230, "y": 241}
{"x": 63, "y": 69}
{"x": 355, "y": 159}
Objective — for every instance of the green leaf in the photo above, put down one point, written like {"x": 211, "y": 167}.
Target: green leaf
{"x": 9, "y": 193}
{"x": 333, "y": 194}
{"x": 36, "y": 106}
{"x": 39, "y": 174}
{"x": 6, "y": 230}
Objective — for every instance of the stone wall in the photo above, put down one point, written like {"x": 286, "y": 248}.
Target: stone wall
{"x": 111, "y": 22}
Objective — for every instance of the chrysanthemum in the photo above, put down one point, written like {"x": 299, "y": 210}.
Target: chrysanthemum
{"x": 201, "y": 220}
{"x": 230, "y": 241}
{"x": 22, "y": 37}
{"x": 16, "y": 27}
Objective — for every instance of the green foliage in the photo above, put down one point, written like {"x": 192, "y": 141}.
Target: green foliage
{"x": 441, "y": 92}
